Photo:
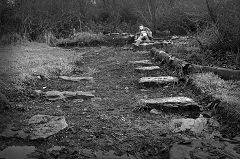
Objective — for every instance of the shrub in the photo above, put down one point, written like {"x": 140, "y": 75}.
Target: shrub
{"x": 87, "y": 37}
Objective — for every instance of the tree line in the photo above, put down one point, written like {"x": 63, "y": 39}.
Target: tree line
{"x": 32, "y": 18}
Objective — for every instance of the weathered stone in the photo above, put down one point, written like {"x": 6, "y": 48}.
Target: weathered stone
{"x": 149, "y": 68}
{"x": 195, "y": 125}
{"x": 175, "y": 103}
{"x": 76, "y": 79}
{"x": 142, "y": 62}
{"x": 19, "y": 152}
{"x": 158, "y": 80}
{"x": 38, "y": 92}
{"x": 203, "y": 149}
{"x": 57, "y": 95}
{"x": 78, "y": 94}
{"x": 54, "y": 95}
{"x": 43, "y": 126}
{"x": 39, "y": 126}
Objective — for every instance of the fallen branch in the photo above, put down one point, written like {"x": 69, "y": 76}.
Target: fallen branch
{"x": 227, "y": 74}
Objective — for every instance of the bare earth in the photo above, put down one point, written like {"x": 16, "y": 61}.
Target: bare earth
{"x": 109, "y": 122}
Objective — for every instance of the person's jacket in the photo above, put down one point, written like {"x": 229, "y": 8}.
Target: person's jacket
{"x": 147, "y": 30}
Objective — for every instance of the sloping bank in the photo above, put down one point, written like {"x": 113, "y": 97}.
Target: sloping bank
{"x": 87, "y": 39}
{"x": 224, "y": 92}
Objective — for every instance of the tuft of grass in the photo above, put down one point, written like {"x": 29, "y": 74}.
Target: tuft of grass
{"x": 225, "y": 91}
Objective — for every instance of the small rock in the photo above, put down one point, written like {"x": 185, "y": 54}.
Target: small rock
{"x": 38, "y": 92}
{"x": 76, "y": 79}
{"x": 172, "y": 103}
{"x": 54, "y": 95}
{"x": 194, "y": 125}
{"x": 78, "y": 94}
{"x": 149, "y": 68}
{"x": 141, "y": 62}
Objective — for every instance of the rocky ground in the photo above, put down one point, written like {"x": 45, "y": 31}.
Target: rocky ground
{"x": 107, "y": 109}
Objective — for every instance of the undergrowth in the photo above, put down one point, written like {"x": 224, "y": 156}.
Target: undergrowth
{"x": 226, "y": 91}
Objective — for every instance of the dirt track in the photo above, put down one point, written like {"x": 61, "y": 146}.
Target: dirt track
{"x": 108, "y": 122}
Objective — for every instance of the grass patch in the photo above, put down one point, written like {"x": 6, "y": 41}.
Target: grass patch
{"x": 21, "y": 63}
{"x": 226, "y": 91}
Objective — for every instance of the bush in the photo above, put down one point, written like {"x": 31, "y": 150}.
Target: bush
{"x": 87, "y": 37}
{"x": 209, "y": 37}
{"x": 11, "y": 38}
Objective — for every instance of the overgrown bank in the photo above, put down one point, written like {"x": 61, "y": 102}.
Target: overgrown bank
{"x": 222, "y": 97}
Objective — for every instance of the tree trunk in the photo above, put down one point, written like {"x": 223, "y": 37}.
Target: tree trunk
{"x": 210, "y": 12}
{"x": 227, "y": 74}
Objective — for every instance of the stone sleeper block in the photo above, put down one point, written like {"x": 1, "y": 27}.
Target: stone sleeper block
{"x": 143, "y": 62}
{"x": 169, "y": 100}
{"x": 150, "y": 68}
{"x": 76, "y": 79}
{"x": 172, "y": 103}
{"x": 158, "y": 80}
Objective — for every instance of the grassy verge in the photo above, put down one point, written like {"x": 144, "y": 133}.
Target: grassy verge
{"x": 21, "y": 63}
{"x": 228, "y": 92}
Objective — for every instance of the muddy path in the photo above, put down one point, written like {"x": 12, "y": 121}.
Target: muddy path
{"x": 111, "y": 125}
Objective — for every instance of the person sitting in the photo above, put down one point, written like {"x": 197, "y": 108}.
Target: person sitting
{"x": 145, "y": 34}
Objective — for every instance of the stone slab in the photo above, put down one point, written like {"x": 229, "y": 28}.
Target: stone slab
{"x": 76, "y": 79}
{"x": 158, "y": 80}
{"x": 174, "y": 103}
{"x": 57, "y": 95}
{"x": 147, "y": 68}
{"x": 141, "y": 62}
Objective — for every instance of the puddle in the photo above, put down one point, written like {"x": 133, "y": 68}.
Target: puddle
{"x": 111, "y": 155}
{"x": 17, "y": 152}
{"x": 195, "y": 125}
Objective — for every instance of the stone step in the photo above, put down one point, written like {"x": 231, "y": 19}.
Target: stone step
{"x": 57, "y": 95}
{"x": 141, "y": 62}
{"x": 76, "y": 79}
{"x": 172, "y": 103}
{"x": 157, "y": 80}
{"x": 148, "y": 68}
